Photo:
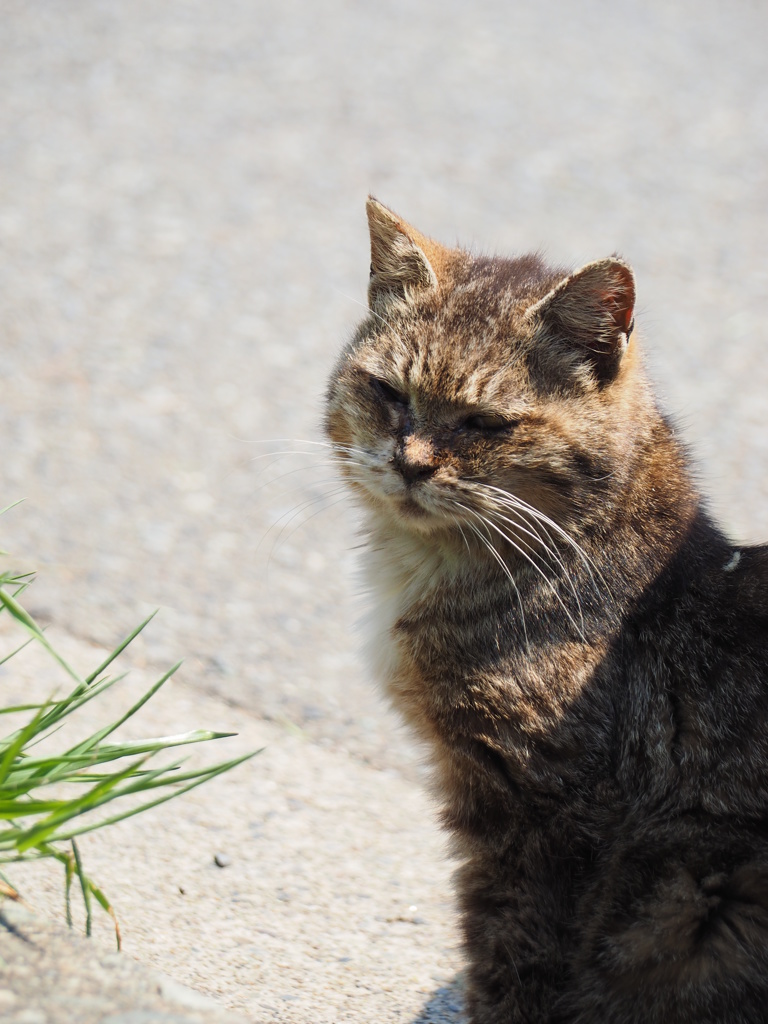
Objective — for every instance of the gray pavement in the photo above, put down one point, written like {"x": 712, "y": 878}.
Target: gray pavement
{"x": 183, "y": 251}
{"x": 51, "y": 975}
{"x": 334, "y": 903}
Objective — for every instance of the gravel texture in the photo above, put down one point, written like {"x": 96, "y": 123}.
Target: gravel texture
{"x": 183, "y": 251}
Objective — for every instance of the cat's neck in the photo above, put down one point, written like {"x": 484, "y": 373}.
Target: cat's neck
{"x": 641, "y": 521}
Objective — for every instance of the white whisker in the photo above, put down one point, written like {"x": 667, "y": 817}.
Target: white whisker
{"x": 364, "y": 305}
{"x": 338, "y": 501}
{"x": 550, "y": 585}
{"x": 291, "y": 514}
{"x": 457, "y": 521}
{"x": 325, "y": 464}
{"x": 513, "y": 501}
{"x": 331, "y": 446}
{"x": 551, "y": 551}
{"x": 486, "y": 541}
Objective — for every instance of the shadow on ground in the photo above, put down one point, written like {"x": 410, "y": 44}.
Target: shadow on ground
{"x": 445, "y": 1006}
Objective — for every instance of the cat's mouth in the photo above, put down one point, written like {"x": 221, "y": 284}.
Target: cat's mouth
{"x": 416, "y": 507}
{"x": 408, "y": 506}
{"x": 418, "y": 504}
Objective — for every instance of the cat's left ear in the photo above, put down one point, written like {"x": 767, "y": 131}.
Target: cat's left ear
{"x": 404, "y": 263}
{"x": 593, "y": 311}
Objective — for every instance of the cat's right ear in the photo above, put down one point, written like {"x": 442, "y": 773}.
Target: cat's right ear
{"x": 591, "y": 315}
{"x": 404, "y": 263}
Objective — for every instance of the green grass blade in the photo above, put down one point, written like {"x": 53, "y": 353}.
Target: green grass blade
{"x": 10, "y": 809}
{"x": 106, "y": 905}
{"x": 203, "y": 776}
{"x": 12, "y": 709}
{"x": 75, "y": 700}
{"x": 13, "y": 504}
{"x": 42, "y": 831}
{"x": 69, "y": 872}
{"x": 85, "y": 886}
{"x": 9, "y": 656}
{"x": 119, "y": 649}
{"x": 18, "y": 740}
{"x": 69, "y": 767}
{"x": 33, "y": 826}
{"x": 26, "y": 620}
{"x": 107, "y": 730}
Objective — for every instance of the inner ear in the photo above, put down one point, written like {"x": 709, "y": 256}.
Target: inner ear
{"x": 592, "y": 312}
{"x": 400, "y": 265}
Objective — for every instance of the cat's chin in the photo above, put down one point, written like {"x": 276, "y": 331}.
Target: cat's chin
{"x": 410, "y": 515}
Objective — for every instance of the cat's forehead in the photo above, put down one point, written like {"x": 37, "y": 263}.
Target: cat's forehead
{"x": 522, "y": 279}
{"x": 481, "y": 318}
{"x": 472, "y": 343}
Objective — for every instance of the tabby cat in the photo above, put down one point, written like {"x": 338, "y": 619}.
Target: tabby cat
{"x": 582, "y": 649}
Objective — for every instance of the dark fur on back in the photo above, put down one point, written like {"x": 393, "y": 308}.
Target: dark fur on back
{"x": 582, "y": 648}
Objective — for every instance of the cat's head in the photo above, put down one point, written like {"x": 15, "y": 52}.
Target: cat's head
{"x": 483, "y": 385}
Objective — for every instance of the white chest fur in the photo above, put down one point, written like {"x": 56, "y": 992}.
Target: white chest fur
{"x": 400, "y": 570}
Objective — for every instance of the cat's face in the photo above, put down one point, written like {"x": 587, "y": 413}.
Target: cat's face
{"x": 481, "y": 394}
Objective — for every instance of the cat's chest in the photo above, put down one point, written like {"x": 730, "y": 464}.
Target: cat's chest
{"x": 399, "y": 582}
{"x": 413, "y": 594}
{"x": 435, "y": 631}
{"x": 460, "y": 654}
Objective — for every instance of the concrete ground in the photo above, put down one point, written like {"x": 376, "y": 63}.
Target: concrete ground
{"x": 333, "y": 903}
{"x": 51, "y": 975}
{"x": 183, "y": 251}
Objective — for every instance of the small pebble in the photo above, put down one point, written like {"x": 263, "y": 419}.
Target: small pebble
{"x": 223, "y": 860}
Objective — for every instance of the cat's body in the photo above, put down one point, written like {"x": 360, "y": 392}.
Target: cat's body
{"x": 584, "y": 652}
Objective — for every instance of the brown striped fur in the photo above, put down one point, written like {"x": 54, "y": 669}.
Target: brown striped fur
{"x": 582, "y": 649}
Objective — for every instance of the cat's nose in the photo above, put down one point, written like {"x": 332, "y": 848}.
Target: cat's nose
{"x": 415, "y": 460}
{"x": 410, "y": 471}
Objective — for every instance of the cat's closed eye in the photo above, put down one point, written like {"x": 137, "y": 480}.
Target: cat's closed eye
{"x": 488, "y": 422}
{"x": 387, "y": 393}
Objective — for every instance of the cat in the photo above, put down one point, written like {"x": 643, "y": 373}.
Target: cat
{"x": 557, "y": 616}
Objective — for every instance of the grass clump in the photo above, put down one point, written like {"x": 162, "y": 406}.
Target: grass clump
{"x": 47, "y": 799}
